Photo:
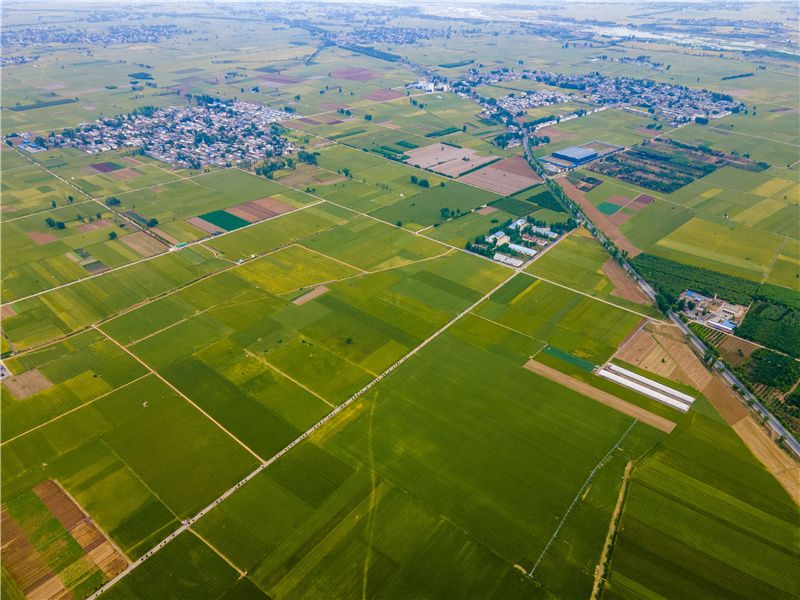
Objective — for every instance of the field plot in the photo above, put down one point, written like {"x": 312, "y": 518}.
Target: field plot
{"x": 190, "y": 209}
{"x": 764, "y": 137}
{"x": 371, "y": 245}
{"x": 379, "y": 502}
{"x": 60, "y": 378}
{"x": 266, "y": 367}
{"x": 373, "y": 182}
{"x": 613, "y": 126}
{"x": 135, "y": 492}
{"x": 446, "y": 159}
{"x": 67, "y": 309}
{"x": 571, "y": 322}
{"x": 703, "y": 519}
{"x": 580, "y": 262}
{"x": 42, "y": 251}
{"x": 425, "y": 209}
{"x": 107, "y": 173}
{"x": 187, "y": 568}
{"x": 731, "y": 249}
{"x": 506, "y": 177}
{"x": 28, "y": 188}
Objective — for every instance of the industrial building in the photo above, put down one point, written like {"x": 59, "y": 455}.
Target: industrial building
{"x": 576, "y": 155}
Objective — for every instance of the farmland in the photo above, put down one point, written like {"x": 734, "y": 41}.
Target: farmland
{"x": 268, "y": 366}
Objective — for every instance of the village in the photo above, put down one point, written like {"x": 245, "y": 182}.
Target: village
{"x": 210, "y": 133}
{"x": 25, "y": 37}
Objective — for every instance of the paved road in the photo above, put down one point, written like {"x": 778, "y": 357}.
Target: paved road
{"x": 743, "y": 393}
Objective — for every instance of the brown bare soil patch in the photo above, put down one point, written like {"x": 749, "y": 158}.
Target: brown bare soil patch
{"x": 381, "y": 95}
{"x": 204, "y": 225}
{"x": 7, "y": 311}
{"x": 644, "y": 199}
{"x": 724, "y": 401}
{"x": 332, "y": 106}
{"x": 144, "y": 244}
{"x": 39, "y": 238}
{"x": 124, "y": 174}
{"x": 273, "y": 204}
{"x": 389, "y": 125}
{"x": 25, "y": 565}
{"x": 518, "y": 166}
{"x": 309, "y": 120}
{"x": 94, "y": 225}
{"x": 736, "y": 350}
{"x": 505, "y": 177}
{"x": 486, "y": 210}
{"x": 662, "y": 350}
{"x": 355, "y": 74}
{"x": 619, "y": 217}
{"x": 606, "y": 225}
{"x": 162, "y": 234}
{"x": 445, "y": 159}
{"x": 776, "y": 461}
{"x": 27, "y": 384}
{"x": 7, "y": 208}
{"x": 624, "y": 286}
{"x": 601, "y": 396}
{"x": 108, "y": 558}
{"x": 309, "y": 296}
{"x": 555, "y": 135}
{"x": 435, "y": 154}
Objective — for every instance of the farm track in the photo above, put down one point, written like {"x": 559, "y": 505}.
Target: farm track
{"x": 601, "y": 570}
{"x": 186, "y": 524}
{"x": 601, "y": 396}
{"x": 182, "y": 395}
{"x": 589, "y": 479}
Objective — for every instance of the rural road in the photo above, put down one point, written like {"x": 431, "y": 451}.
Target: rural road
{"x": 187, "y": 523}
{"x": 740, "y": 391}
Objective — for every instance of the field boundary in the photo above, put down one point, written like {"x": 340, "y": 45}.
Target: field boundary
{"x": 589, "y": 479}
{"x": 601, "y": 396}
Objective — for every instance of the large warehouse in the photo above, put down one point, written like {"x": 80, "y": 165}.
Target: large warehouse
{"x": 576, "y": 155}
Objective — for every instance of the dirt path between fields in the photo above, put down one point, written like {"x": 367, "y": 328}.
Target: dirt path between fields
{"x": 599, "y": 219}
{"x": 601, "y": 570}
{"x": 663, "y": 350}
{"x": 601, "y": 396}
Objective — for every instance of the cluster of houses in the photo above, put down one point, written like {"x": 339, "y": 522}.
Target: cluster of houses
{"x": 515, "y": 243}
{"x": 25, "y": 37}
{"x": 519, "y": 102}
{"x": 17, "y": 59}
{"x": 216, "y": 133}
{"x": 678, "y": 103}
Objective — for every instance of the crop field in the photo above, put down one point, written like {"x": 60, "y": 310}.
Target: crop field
{"x": 98, "y": 449}
{"x": 695, "y": 482}
{"x": 562, "y": 318}
{"x": 580, "y": 262}
{"x": 424, "y": 210}
{"x": 38, "y": 254}
{"x": 27, "y": 188}
{"x": 270, "y": 369}
{"x": 731, "y": 249}
{"x": 361, "y": 510}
